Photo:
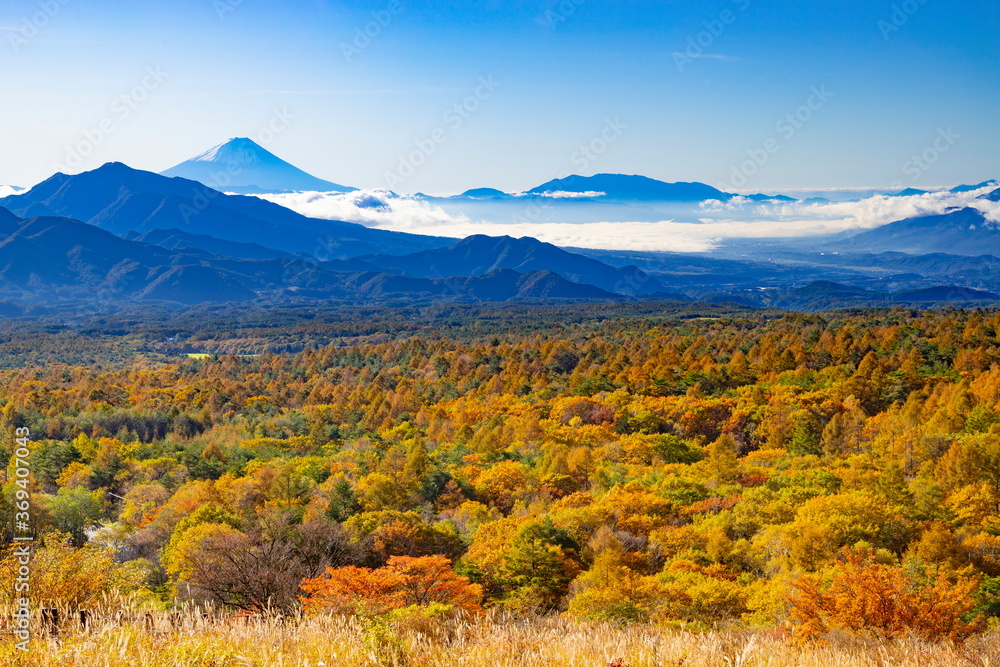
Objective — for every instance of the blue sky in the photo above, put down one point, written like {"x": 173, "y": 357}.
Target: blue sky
{"x": 779, "y": 95}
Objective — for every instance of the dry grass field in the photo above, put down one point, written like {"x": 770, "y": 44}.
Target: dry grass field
{"x": 192, "y": 641}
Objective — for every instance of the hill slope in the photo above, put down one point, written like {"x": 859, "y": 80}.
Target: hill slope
{"x": 175, "y": 239}
{"x": 960, "y": 232}
{"x": 478, "y": 255}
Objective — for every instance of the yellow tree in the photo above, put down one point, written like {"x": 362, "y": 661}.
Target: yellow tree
{"x": 64, "y": 575}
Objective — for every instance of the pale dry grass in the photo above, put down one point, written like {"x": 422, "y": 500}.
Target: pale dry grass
{"x": 329, "y": 642}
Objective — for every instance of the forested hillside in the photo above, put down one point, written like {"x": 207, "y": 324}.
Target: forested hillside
{"x": 696, "y": 470}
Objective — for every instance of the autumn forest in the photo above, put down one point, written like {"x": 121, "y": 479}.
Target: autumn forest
{"x": 397, "y": 475}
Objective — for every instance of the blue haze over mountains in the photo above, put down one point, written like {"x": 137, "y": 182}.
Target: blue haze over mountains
{"x": 192, "y": 235}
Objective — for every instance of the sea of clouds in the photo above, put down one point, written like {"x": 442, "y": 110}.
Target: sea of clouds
{"x": 718, "y": 221}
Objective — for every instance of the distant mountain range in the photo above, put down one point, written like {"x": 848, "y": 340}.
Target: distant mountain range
{"x": 479, "y": 255}
{"x": 963, "y": 231}
{"x": 484, "y": 193}
{"x": 125, "y": 233}
{"x": 50, "y": 259}
{"x": 970, "y": 188}
{"x": 121, "y": 235}
{"x": 243, "y": 166}
{"x": 617, "y": 188}
{"x": 121, "y": 200}
{"x": 54, "y": 260}
{"x": 912, "y": 192}
{"x": 632, "y": 188}
{"x": 116, "y": 233}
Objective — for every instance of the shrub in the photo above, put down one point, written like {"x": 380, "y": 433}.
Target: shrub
{"x": 405, "y": 581}
{"x": 870, "y": 599}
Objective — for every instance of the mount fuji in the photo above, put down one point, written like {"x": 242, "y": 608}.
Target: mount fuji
{"x": 243, "y": 166}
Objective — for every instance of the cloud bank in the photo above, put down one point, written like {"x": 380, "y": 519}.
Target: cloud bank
{"x": 562, "y": 194}
{"x": 738, "y": 218}
{"x": 372, "y": 208}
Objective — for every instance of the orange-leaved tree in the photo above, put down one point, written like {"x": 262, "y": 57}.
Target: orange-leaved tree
{"x": 868, "y": 598}
{"x": 402, "y": 582}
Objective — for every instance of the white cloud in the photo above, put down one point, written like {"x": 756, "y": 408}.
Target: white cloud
{"x": 990, "y": 209}
{"x": 738, "y": 218}
{"x": 878, "y": 210}
{"x": 7, "y": 190}
{"x": 562, "y": 194}
{"x": 716, "y": 205}
{"x": 372, "y": 208}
